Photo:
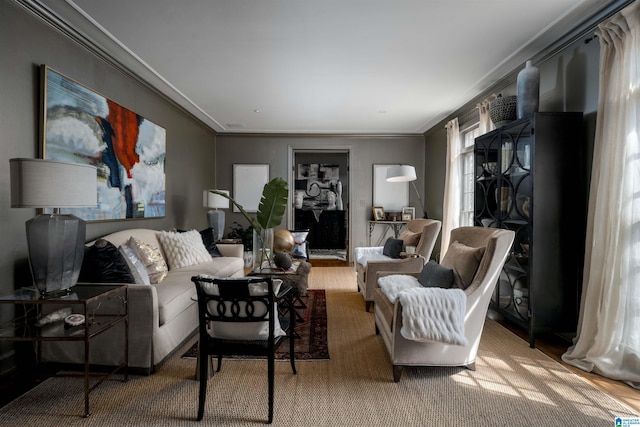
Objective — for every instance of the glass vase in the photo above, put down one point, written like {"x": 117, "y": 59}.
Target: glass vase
{"x": 262, "y": 249}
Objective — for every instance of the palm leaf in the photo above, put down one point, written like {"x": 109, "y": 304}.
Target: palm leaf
{"x": 272, "y": 204}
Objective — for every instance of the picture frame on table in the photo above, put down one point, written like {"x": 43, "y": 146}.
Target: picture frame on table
{"x": 408, "y": 213}
{"x": 378, "y": 213}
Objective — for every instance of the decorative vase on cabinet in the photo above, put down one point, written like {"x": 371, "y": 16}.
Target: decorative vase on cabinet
{"x": 538, "y": 191}
{"x": 528, "y": 87}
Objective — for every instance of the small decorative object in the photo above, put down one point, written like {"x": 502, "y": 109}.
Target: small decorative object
{"x": 528, "y": 87}
{"x": 74, "y": 320}
{"x": 283, "y": 241}
{"x": 339, "y": 204}
{"x": 503, "y": 110}
{"x": 378, "y": 213}
{"x": 282, "y": 260}
{"x": 408, "y": 213}
{"x": 491, "y": 167}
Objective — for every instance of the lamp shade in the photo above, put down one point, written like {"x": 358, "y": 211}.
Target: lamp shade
{"x": 40, "y": 183}
{"x": 216, "y": 201}
{"x": 401, "y": 173}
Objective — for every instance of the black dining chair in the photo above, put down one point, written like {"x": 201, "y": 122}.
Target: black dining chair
{"x": 247, "y": 316}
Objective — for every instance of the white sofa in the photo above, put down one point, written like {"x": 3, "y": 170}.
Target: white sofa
{"x": 161, "y": 316}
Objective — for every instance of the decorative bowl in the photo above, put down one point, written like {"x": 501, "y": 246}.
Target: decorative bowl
{"x": 503, "y": 110}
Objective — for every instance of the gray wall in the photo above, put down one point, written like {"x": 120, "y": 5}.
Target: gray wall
{"x": 25, "y": 44}
{"x": 365, "y": 152}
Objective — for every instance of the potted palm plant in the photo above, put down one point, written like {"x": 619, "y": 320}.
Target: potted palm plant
{"x": 269, "y": 215}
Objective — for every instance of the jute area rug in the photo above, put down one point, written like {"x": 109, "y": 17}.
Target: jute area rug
{"x": 513, "y": 385}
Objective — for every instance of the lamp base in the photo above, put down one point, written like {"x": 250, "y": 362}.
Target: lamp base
{"x": 215, "y": 218}
{"x": 56, "y": 249}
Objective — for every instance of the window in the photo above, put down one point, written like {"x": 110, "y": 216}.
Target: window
{"x": 467, "y": 172}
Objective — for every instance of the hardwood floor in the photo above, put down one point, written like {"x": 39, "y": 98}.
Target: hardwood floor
{"x": 554, "y": 346}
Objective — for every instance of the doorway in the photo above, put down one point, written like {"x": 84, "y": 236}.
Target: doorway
{"x": 319, "y": 189}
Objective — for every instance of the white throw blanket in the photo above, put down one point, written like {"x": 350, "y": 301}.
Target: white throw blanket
{"x": 428, "y": 314}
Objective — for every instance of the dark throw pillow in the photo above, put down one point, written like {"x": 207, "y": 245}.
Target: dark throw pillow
{"x": 433, "y": 275}
{"x": 392, "y": 247}
{"x": 209, "y": 240}
{"x": 103, "y": 263}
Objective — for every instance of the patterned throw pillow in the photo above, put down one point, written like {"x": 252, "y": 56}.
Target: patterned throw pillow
{"x": 183, "y": 249}
{"x": 151, "y": 258}
{"x": 301, "y": 246}
{"x": 137, "y": 268}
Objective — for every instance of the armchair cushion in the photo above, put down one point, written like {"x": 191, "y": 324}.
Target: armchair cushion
{"x": 410, "y": 238}
{"x": 301, "y": 246}
{"x": 464, "y": 261}
{"x": 433, "y": 275}
{"x": 392, "y": 248}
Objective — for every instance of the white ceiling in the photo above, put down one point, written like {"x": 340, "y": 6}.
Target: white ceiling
{"x": 324, "y": 66}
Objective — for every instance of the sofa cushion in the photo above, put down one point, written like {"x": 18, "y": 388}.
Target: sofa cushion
{"x": 175, "y": 292}
{"x": 152, "y": 259}
{"x": 392, "y": 248}
{"x": 183, "y": 249}
{"x": 103, "y": 263}
{"x": 434, "y": 275}
{"x": 464, "y": 261}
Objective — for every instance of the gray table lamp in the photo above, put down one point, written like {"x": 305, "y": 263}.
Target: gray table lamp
{"x": 55, "y": 241}
{"x": 215, "y": 217}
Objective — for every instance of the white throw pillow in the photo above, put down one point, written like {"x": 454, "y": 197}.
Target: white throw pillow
{"x": 245, "y": 331}
{"x": 183, "y": 249}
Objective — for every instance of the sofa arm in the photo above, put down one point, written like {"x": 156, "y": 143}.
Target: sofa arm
{"x": 231, "y": 249}
{"x": 144, "y": 320}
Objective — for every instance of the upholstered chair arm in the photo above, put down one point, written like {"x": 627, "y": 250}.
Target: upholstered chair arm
{"x": 231, "y": 249}
{"x": 396, "y": 266}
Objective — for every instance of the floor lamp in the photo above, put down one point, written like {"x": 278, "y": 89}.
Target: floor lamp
{"x": 55, "y": 241}
{"x": 405, "y": 173}
{"x": 215, "y": 217}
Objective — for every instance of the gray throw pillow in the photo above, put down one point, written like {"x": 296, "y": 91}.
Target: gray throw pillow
{"x": 433, "y": 275}
{"x": 392, "y": 247}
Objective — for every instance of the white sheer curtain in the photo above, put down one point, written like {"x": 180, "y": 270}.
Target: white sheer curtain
{"x": 608, "y": 341}
{"x": 486, "y": 125}
{"x": 452, "y": 184}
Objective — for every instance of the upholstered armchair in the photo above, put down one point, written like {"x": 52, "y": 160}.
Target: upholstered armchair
{"x": 421, "y": 233}
{"x": 474, "y": 259}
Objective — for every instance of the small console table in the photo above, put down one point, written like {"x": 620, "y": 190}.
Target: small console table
{"x": 39, "y": 319}
{"x": 396, "y": 226}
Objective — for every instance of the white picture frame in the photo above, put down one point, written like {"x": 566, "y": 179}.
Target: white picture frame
{"x": 408, "y": 210}
{"x": 248, "y": 182}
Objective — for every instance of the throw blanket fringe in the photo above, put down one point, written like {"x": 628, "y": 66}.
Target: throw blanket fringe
{"x": 433, "y": 314}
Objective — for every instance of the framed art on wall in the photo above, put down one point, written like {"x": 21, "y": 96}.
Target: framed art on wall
{"x": 408, "y": 213}
{"x": 129, "y": 151}
{"x": 248, "y": 182}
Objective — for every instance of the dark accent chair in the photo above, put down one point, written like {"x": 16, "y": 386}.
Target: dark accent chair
{"x": 239, "y": 317}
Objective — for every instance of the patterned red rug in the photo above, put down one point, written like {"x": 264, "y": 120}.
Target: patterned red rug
{"x": 311, "y": 343}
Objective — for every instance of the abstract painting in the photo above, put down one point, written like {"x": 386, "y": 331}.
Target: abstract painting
{"x": 128, "y": 150}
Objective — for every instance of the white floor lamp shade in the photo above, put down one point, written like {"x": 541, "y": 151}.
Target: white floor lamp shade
{"x": 215, "y": 217}
{"x": 55, "y": 241}
{"x": 405, "y": 173}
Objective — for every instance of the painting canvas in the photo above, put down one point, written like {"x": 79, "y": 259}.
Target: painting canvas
{"x": 318, "y": 186}
{"x": 128, "y": 150}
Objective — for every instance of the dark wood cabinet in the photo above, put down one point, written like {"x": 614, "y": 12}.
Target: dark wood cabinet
{"x": 530, "y": 178}
{"x": 327, "y": 231}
